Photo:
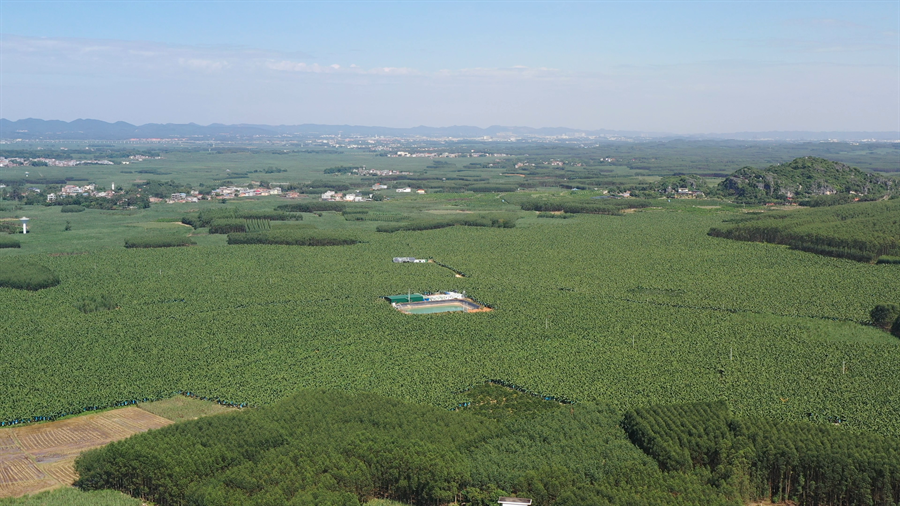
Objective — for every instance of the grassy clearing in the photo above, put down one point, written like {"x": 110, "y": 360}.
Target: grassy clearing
{"x": 181, "y": 408}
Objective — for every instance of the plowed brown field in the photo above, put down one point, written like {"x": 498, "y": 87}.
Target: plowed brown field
{"x": 42, "y": 456}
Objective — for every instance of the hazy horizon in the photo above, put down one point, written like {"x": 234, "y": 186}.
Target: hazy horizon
{"x": 670, "y": 67}
{"x": 512, "y": 128}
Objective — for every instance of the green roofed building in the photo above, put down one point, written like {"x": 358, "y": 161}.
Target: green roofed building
{"x": 401, "y": 299}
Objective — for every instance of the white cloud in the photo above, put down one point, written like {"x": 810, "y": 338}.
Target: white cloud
{"x": 86, "y": 56}
{"x": 290, "y": 66}
{"x": 204, "y": 65}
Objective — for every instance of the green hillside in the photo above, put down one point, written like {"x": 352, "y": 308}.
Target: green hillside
{"x": 801, "y": 179}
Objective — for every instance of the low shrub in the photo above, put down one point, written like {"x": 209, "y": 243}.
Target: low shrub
{"x": 227, "y": 226}
{"x": 10, "y": 227}
{"x": 495, "y": 220}
{"x": 610, "y": 206}
{"x": 312, "y": 207}
{"x": 207, "y": 217}
{"x": 492, "y": 188}
{"x": 561, "y": 216}
{"x": 884, "y": 315}
{"x": 25, "y": 275}
{"x": 71, "y": 209}
{"x": 158, "y": 242}
{"x": 293, "y": 237}
{"x": 94, "y": 303}
{"x": 9, "y": 242}
{"x": 191, "y": 220}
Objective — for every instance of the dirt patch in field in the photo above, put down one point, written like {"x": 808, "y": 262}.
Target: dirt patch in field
{"x": 707, "y": 207}
{"x": 42, "y": 456}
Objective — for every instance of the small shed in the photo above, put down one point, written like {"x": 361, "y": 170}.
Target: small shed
{"x": 402, "y": 299}
{"x": 514, "y": 501}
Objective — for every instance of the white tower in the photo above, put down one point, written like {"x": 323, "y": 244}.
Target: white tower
{"x": 24, "y": 224}
{"x": 114, "y": 187}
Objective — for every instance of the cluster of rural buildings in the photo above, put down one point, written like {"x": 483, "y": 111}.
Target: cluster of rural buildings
{"x": 88, "y": 190}
{"x": 228, "y": 192}
{"x": 428, "y": 154}
{"x": 139, "y": 158}
{"x": 51, "y": 162}
{"x": 687, "y": 193}
{"x": 179, "y": 198}
{"x": 332, "y": 196}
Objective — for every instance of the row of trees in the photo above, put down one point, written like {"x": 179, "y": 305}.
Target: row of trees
{"x": 604, "y": 206}
{"x": 861, "y": 232}
{"x": 495, "y": 220}
{"x": 293, "y": 236}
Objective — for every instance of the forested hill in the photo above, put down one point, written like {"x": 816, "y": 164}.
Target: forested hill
{"x": 803, "y": 178}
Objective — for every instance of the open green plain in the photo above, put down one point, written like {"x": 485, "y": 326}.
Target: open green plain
{"x": 628, "y": 310}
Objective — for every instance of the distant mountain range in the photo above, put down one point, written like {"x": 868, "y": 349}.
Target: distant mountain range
{"x": 91, "y": 129}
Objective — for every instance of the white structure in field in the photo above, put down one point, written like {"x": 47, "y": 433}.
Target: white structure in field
{"x": 446, "y": 296}
{"x": 410, "y": 260}
{"x": 514, "y": 501}
{"x": 24, "y": 224}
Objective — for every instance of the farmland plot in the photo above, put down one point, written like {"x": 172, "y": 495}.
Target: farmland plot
{"x": 39, "y": 457}
{"x": 630, "y": 310}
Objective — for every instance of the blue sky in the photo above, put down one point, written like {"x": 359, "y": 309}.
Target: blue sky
{"x": 663, "y": 66}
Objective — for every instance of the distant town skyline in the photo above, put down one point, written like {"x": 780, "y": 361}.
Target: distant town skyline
{"x": 678, "y": 67}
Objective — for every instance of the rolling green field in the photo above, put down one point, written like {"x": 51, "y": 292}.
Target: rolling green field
{"x": 627, "y": 310}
